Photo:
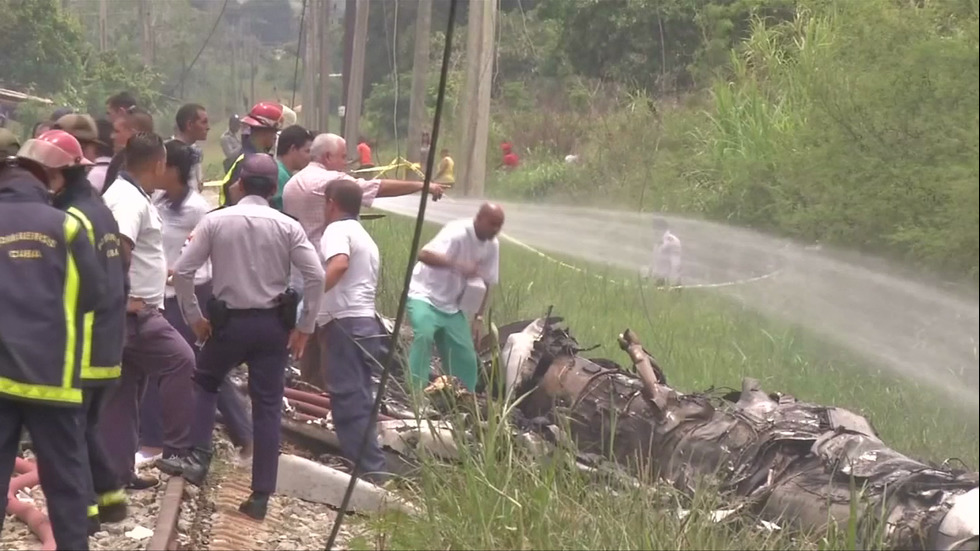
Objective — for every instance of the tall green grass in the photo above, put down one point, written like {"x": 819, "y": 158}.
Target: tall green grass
{"x": 854, "y": 124}
{"x": 496, "y": 498}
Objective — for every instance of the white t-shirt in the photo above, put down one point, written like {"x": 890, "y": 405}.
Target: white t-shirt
{"x": 443, "y": 288}
{"x": 140, "y": 222}
{"x": 177, "y": 226}
{"x": 353, "y": 296}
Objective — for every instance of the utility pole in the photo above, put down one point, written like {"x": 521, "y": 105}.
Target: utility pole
{"x": 146, "y": 24}
{"x": 323, "y": 102}
{"x": 420, "y": 74}
{"x": 475, "y": 121}
{"x": 355, "y": 89}
{"x": 309, "y": 65}
{"x": 350, "y": 8}
{"x": 103, "y": 25}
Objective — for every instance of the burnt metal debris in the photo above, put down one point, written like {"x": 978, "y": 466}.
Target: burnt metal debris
{"x": 799, "y": 465}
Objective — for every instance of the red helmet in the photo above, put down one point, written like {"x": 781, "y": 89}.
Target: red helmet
{"x": 54, "y": 149}
{"x": 265, "y": 114}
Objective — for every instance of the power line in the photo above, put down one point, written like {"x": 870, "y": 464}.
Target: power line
{"x": 413, "y": 253}
{"x": 214, "y": 27}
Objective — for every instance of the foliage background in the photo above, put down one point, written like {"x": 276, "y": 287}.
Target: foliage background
{"x": 848, "y": 123}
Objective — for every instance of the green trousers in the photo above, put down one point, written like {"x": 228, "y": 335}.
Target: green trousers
{"x": 452, "y": 336}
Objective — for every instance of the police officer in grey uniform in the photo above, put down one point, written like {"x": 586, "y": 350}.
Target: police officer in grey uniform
{"x": 251, "y": 319}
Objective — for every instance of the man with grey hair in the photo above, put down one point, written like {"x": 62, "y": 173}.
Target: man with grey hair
{"x": 303, "y": 198}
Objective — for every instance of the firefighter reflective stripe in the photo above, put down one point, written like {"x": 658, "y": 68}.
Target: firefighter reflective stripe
{"x": 111, "y": 498}
{"x": 227, "y": 179}
{"x": 71, "y": 307}
{"x": 93, "y": 511}
{"x": 40, "y": 393}
{"x": 88, "y": 371}
{"x": 89, "y": 320}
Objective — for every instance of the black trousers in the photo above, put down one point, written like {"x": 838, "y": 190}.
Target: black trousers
{"x": 57, "y": 435}
{"x": 105, "y": 487}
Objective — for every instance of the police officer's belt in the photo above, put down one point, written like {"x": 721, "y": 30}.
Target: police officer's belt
{"x": 244, "y": 312}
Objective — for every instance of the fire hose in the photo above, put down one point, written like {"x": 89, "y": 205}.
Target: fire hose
{"x": 29, "y": 514}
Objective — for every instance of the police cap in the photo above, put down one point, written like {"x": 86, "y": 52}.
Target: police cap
{"x": 261, "y": 165}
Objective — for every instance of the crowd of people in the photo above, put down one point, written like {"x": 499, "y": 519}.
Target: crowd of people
{"x": 128, "y": 300}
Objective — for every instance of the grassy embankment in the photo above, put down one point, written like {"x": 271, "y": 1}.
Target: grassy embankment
{"x": 493, "y": 500}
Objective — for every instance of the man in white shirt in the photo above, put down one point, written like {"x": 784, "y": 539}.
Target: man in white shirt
{"x": 153, "y": 347}
{"x": 666, "y": 264}
{"x": 351, "y": 337}
{"x": 462, "y": 251}
{"x": 303, "y": 199}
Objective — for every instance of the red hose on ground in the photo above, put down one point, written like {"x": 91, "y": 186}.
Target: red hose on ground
{"x": 309, "y": 409}
{"x": 28, "y": 513}
{"x": 308, "y": 397}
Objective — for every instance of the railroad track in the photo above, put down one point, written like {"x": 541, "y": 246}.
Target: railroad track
{"x": 165, "y": 533}
{"x": 215, "y": 524}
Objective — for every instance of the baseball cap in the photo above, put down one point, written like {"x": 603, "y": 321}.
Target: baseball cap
{"x": 81, "y": 126}
{"x": 260, "y": 164}
{"x": 9, "y": 144}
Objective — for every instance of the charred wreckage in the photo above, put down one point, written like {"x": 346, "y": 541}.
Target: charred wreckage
{"x": 795, "y": 464}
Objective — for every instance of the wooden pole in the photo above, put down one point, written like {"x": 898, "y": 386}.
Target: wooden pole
{"x": 350, "y": 8}
{"x": 146, "y": 49}
{"x": 103, "y": 25}
{"x": 309, "y": 67}
{"x": 323, "y": 105}
{"x": 475, "y": 120}
{"x": 420, "y": 72}
{"x": 355, "y": 90}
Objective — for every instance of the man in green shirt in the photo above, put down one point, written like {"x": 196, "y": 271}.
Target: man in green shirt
{"x": 292, "y": 155}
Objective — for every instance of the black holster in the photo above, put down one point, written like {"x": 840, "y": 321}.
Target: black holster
{"x": 218, "y": 313}
{"x": 286, "y": 305}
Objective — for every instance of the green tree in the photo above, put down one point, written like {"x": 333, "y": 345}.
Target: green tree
{"x": 41, "y": 46}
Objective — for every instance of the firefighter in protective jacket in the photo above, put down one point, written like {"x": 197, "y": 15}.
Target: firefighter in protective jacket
{"x": 102, "y": 330}
{"x": 49, "y": 277}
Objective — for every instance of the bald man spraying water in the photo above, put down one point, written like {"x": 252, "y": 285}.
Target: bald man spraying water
{"x": 463, "y": 255}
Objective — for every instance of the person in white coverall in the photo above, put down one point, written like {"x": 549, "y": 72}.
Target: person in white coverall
{"x": 666, "y": 265}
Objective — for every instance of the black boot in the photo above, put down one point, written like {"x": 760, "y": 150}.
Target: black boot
{"x": 112, "y": 506}
{"x": 196, "y": 466}
{"x": 255, "y": 506}
{"x": 170, "y": 464}
{"x": 142, "y": 482}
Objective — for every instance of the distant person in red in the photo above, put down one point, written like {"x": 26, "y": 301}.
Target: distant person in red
{"x": 510, "y": 160}
{"x": 364, "y": 152}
